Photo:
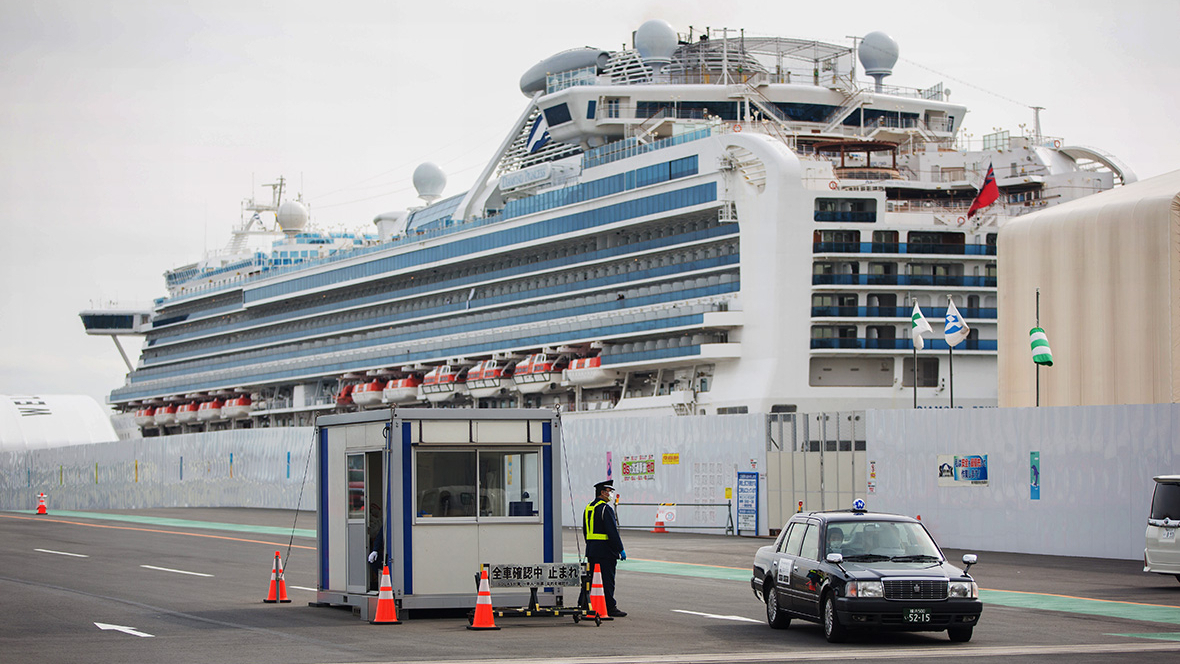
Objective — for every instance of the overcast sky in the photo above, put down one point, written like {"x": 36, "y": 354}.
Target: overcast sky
{"x": 130, "y": 131}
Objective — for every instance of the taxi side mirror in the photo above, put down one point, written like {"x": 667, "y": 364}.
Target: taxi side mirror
{"x": 969, "y": 559}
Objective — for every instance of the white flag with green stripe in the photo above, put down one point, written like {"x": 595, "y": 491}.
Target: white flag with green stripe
{"x": 919, "y": 327}
{"x": 1040, "y": 347}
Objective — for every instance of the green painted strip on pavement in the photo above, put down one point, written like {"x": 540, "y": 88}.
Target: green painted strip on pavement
{"x": 1161, "y": 636}
{"x": 1093, "y": 607}
{"x": 184, "y": 523}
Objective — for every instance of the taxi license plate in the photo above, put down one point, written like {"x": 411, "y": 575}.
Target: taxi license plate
{"x": 1168, "y": 534}
{"x": 916, "y": 616}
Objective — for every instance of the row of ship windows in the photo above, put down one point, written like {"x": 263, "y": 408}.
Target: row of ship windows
{"x": 491, "y": 322}
{"x": 571, "y": 223}
{"x": 544, "y": 286}
{"x": 615, "y": 184}
{"x": 886, "y": 268}
{"x": 462, "y": 276}
{"x": 498, "y": 343}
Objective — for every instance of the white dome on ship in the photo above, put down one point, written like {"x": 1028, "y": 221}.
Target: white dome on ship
{"x": 878, "y": 54}
{"x": 292, "y": 216}
{"x": 429, "y": 180}
{"x": 656, "y": 41}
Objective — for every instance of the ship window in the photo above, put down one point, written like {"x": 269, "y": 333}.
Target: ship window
{"x": 556, "y": 115}
{"x": 590, "y": 108}
{"x": 927, "y": 372}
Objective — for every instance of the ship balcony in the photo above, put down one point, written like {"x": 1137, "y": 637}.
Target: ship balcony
{"x": 858, "y": 343}
{"x": 923, "y": 248}
{"x": 901, "y": 280}
{"x": 969, "y": 313}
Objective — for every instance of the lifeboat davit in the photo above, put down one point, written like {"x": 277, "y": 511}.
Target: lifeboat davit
{"x": 165, "y": 414}
{"x": 402, "y": 390}
{"x": 368, "y": 394}
{"x": 443, "y": 383}
{"x": 588, "y": 372}
{"x": 145, "y": 417}
{"x": 488, "y": 378}
{"x": 237, "y": 407}
{"x": 186, "y": 413}
{"x": 210, "y": 410}
{"x": 537, "y": 374}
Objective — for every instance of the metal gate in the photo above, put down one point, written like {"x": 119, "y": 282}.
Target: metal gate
{"x": 814, "y": 461}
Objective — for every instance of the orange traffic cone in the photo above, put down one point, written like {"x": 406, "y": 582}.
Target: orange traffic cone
{"x": 41, "y": 504}
{"x": 386, "y": 606}
{"x": 277, "y": 583}
{"x": 597, "y": 596}
{"x": 483, "y": 605}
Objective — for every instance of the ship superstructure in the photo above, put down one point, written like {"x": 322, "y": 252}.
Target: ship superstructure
{"x": 700, "y": 224}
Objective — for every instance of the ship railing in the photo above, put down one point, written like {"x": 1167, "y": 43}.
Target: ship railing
{"x": 970, "y": 313}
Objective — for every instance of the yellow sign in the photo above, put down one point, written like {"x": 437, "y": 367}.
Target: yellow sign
{"x": 672, "y": 459}
{"x": 728, "y": 493}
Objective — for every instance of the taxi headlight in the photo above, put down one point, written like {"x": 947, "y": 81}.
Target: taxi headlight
{"x": 963, "y": 589}
{"x": 865, "y": 589}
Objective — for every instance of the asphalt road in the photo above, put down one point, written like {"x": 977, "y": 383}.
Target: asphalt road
{"x": 171, "y": 592}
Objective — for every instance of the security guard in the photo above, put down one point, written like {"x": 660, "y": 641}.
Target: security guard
{"x": 604, "y": 547}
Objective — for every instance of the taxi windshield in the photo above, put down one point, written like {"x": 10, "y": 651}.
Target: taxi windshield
{"x": 881, "y": 540}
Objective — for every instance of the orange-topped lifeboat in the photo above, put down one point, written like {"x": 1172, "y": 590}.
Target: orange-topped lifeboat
{"x": 145, "y": 417}
{"x": 186, "y": 412}
{"x": 443, "y": 383}
{"x": 488, "y": 379}
{"x": 237, "y": 407}
{"x": 368, "y": 394}
{"x": 588, "y": 372}
{"x": 165, "y": 414}
{"x": 210, "y": 410}
{"x": 538, "y": 373}
{"x": 402, "y": 390}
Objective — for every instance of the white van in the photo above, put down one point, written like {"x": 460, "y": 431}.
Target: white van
{"x": 1162, "y": 554}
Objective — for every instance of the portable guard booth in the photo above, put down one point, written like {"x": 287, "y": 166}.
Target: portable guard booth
{"x": 463, "y": 487}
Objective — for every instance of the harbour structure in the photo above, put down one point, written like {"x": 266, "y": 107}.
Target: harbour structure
{"x": 702, "y": 224}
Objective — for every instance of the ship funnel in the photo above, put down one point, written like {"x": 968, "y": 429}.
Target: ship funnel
{"x": 656, "y": 41}
{"x": 430, "y": 181}
{"x": 390, "y": 224}
{"x": 878, "y": 54}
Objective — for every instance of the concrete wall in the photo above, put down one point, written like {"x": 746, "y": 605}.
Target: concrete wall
{"x": 1096, "y": 468}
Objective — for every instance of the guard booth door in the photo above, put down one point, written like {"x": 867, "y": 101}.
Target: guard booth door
{"x": 366, "y": 497}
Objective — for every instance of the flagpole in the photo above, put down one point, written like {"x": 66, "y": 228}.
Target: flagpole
{"x": 1038, "y": 366}
{"x": 951, "y": 370}
{"x": 915, "y": 368}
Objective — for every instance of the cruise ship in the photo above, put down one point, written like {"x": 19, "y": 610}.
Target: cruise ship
{"x": 704, "y": 223}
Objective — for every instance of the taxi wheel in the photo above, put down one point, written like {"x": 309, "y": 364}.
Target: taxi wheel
{"x": 960, "y": 634}
{"x": 834, "y": 632}
{"x": 775, "y": 617}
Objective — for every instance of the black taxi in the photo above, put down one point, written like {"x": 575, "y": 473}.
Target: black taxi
{"x": 861, "y": 570}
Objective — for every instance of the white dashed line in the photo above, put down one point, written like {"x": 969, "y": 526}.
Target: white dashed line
{"x": 62, "y": 553}
{"x": 303, "y": 588}
{"x": 718, "y": 617}
{"x": 177, "y": 571}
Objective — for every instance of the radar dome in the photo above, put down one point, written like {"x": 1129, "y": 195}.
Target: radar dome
{"x": 429, "y": 180}
{"x": 656, "y": 41}
{"x": 292, "y": 216}
{"x": 878, "y": 54}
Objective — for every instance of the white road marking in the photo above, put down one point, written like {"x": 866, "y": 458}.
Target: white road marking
{"x": 120, "y": 628}
{"x": 177, "y": 571}
{"x": 62, "y": 553}
{"x": 303, "y": 588}
{"x": 718, "y": 617}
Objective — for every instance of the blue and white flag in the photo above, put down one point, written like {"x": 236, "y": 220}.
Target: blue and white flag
{"x": 956, "y": 328}
{"x": 538, "y": 135}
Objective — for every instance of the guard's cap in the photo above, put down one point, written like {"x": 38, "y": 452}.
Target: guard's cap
{"x": 606, "y": 484}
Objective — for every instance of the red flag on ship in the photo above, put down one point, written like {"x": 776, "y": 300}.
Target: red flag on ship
{"x": 987, "y": 195}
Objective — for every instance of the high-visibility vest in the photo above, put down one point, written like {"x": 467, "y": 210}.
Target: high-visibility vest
{"x": 588, "y": 521}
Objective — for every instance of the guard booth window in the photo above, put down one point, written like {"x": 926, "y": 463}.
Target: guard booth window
{"x": 356, "y": 486}
{"x": 485, "y": 483}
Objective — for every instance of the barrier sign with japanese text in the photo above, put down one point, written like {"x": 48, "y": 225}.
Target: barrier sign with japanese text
{"x": 541, "y": 575}
{"x": 968, "y": 470}
{"x": 639, "y": 467}
{"x": 747, "y": 502}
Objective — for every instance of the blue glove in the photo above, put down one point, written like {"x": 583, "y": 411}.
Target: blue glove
{"x": 622, "y": 555}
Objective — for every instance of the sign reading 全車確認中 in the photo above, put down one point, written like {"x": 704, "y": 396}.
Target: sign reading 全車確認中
{"x": 962, "y": 470}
